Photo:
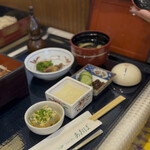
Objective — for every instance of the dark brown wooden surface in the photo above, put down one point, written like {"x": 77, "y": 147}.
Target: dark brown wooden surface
{"x": 130, "y": 34}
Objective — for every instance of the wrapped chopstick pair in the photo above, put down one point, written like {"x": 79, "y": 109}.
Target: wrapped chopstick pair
{"x": 96, "y": 116}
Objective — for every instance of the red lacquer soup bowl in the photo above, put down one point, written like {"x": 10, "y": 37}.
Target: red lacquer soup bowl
{"x": 90, "y": 47}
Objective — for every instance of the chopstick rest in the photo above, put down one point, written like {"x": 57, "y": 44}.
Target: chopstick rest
{"x": 92, "y": 137}
{"x": 107, "y": 108}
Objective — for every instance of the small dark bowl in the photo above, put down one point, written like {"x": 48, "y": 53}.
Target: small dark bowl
{"x": 139, "y": 4}
{"x": 94, "y": 55}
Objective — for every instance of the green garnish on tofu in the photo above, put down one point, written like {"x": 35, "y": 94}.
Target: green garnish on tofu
{"x": 44, "y": 117}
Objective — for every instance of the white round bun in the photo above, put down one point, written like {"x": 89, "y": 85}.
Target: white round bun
{"x": 127, "y": 74}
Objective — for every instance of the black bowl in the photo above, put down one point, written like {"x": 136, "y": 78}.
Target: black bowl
{"x": 142, "y": 4}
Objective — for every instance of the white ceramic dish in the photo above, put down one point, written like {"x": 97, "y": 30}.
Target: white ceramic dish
{"x": 46, "y": 130}
{"x": 71, "y": 110}
{"x": 97, "y": 73}
{"x": 56, "y": 55}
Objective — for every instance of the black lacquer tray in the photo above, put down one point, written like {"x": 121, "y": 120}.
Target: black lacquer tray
{"x": 12, "y": 125}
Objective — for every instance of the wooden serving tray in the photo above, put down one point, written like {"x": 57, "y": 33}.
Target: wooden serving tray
{"x": 13, "y": 85}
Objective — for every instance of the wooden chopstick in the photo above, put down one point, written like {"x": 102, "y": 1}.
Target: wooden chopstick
{"x": 107, "y": 108}
{"x": 92, "y": 137}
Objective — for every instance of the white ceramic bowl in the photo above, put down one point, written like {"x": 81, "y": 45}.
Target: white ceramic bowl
{"x": 46, "y": 130}
{"x": 56, "y": 55}
{"x": 83, "y": 99}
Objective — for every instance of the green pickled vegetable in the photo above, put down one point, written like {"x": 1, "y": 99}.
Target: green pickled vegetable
{"x": 41, "y": 66}
{"x": 86, "y": 77}
{"x": 85, "y": 73}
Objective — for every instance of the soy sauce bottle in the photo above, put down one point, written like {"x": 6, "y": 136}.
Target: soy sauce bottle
{"x": 35, "y": 41}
